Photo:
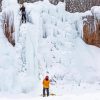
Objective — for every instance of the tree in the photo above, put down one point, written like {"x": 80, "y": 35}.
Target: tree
{"x": 80, "y": 5}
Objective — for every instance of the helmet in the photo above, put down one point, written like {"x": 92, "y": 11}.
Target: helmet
{"x": 47, "y": 77}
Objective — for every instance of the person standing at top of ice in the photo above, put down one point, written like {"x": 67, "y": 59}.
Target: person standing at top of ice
{"x": 46, "y": 83}
{"x": 22, "y": 9}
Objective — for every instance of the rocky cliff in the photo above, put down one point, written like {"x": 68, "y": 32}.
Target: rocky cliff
{"x": 91, "y": 25}
{"x": 91, "y": 30}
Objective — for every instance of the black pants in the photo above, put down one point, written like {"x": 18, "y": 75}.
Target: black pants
{"x": 45, "y": 90}
{"x": 23, "y": 17}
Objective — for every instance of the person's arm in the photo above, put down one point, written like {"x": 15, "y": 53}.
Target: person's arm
{"x": 43, "y": 82}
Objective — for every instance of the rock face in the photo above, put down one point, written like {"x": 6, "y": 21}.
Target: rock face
{"x": 8, "y": 26}
{"x": 91, "y": 31}
{"x": 80, "y": 5}
{"x": 22, "y": 1}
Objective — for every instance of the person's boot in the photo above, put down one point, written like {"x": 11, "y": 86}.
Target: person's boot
{"x": 43, "y": 95}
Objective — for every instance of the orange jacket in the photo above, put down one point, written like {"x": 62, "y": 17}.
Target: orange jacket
{"x": 46, "y": 83}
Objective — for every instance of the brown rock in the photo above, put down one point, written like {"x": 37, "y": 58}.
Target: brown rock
{"x": 91, "y": 31}
{"x": 8, "y": 28}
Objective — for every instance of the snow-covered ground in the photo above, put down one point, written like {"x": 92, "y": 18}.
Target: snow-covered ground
{"x": 89, "y": 96}
{"x": 50, "y": 43}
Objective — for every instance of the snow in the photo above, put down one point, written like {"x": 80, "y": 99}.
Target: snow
{"x": 7, "y": 59}
{"x": 95, "y": 11}
{"x": 6, "y": 3}
{"x": 92, "y": 96}
{"x": 50, "y": 43}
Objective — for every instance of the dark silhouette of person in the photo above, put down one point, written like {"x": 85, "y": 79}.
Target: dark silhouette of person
{"x": 23, "y": 18}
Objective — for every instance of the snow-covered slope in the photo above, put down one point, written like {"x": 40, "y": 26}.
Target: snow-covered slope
{"x": 49, "y": 43}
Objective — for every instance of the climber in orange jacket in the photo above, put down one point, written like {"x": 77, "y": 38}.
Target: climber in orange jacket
{"x": 46, "y": 83}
